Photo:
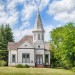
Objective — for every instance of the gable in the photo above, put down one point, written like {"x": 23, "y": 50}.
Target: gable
{"x": 28, "y": 39}
{"x": 26, "y": 44}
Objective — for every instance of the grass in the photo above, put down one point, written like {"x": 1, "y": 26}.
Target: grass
{"x": 33, "y": 71}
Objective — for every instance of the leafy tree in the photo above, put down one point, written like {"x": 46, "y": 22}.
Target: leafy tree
{"x": 63, "y": 45}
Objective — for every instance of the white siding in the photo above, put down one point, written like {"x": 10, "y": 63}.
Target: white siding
{"x": 26, "y": 45}
{"x": 29, "y": 51}
{"x": 10, "y": 57}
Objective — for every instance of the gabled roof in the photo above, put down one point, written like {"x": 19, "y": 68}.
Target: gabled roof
{"x": 29, "y": 38}
{"x": 38, "y": 24}
{"x": 15, "y": 45}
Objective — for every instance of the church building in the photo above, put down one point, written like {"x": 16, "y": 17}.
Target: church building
{"x": 31, "y": 50}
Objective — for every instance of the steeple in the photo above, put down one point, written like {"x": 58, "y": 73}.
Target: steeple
{"x": 38, "y": 30}
{"x": 38, "y": 24}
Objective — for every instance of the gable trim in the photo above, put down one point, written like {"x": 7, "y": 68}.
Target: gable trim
{"x": 25, "y": 48}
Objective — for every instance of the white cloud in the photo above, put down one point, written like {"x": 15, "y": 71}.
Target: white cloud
{"x": 8, "y": 13}
{"x": 48, "y": 28}
{"x": 30, "y": 8}
{"x": 1, "y": 7}
{"x": 20, "y": 33}
{"x": 25, "y": 24}
{"x": 59, "y": 25}
{"x": 43, "y": 4}
{"x": 63, "y": 10}
{"x": 11, "y": 16}
{"x": 27, "y": 12}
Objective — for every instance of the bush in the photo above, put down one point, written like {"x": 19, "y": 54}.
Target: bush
{"x": 2, "y": 63}
{"x": 20, "y": 66}
{"x": 73, "y": 69}
{"x": 26, "y": 66}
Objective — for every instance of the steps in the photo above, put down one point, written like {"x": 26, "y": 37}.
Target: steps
{"x": 40, "y": 66}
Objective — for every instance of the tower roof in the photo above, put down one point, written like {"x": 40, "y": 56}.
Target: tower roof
{"x": 38, "y": 24}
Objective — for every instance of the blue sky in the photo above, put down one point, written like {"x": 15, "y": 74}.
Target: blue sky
{"x": 21, "y": 15}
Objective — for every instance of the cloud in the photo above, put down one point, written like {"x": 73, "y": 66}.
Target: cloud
{"x": 8, "y": 13}
{"x": 20, "y": 33}
{"x": 1, "y": 7}
{"x": 27, "y": 12}
{"x": 43, "y": 4}
{"x": 63, "y": 10}
{"x": 48, "y": 28}
{"x": 25, "y": 24}
{"x": 30, "y": 8}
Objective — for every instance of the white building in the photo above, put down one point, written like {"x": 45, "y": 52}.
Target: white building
{"x": 30, "y": 50}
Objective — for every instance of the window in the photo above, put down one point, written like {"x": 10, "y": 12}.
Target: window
{"x": 42, "y": 36}
{"x": 38, "y": 36}
{"x": 25, "y": 58}
{"x": 13, "y": 58}
{"x": 25, "y": 45}
{"x": 46, "y": 57}
{"x": 39, "y": 46}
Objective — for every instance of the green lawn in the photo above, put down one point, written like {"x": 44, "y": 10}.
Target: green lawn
{"x": 33, "y": 71}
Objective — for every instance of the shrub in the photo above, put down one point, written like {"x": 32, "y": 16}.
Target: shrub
{"x": 20, "y": 66}
{"x": 26, "y": 66}
{"x": 73, "y": 69}
{"x": 2, "y": 63}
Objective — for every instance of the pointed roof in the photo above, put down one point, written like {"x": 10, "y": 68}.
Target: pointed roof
{"x": 38, "y": 24}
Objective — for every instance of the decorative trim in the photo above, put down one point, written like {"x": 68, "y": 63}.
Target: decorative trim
{"x": 10, "y": 56}
{"x": 39, "y": 49}
{"x": 17, "y": 55}
{"x": 25, "y": 48}
{"x": 26, "y": 58}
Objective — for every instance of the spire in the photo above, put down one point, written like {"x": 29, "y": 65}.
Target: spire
{"x": 38, "y": 24}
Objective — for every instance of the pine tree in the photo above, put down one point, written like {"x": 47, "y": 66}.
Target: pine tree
{"x": 6, "y": 36}
{"x": 8, "y": 33}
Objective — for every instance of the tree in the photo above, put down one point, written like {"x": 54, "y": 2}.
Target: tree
{"x": 6, "y": 36}
{"x": 63, "y": 45}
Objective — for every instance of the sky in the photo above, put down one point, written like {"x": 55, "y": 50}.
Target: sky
{"x": 21, "y": 15}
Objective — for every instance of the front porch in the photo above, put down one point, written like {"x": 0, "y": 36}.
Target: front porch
{"x": 42, "y": 61}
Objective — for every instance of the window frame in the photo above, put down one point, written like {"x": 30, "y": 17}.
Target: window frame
{"x": 13, "y": 59}
{"x": 26, "y": 57}
{"x": 42, "y": 36}
{"x": 38, "y": 36}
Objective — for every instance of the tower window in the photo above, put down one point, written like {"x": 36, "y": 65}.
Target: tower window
{"x": 42, "y": 36}
{"x": 38, "y": 36}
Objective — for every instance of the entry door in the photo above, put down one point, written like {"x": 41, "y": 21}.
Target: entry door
{"x": 46, "y": 59}
{"x": 39, "y": 59}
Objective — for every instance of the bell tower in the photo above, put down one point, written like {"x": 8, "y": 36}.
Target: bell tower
{"x": 38, "y": 31}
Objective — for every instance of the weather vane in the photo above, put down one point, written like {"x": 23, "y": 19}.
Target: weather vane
{"x": 37, "y": 3}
